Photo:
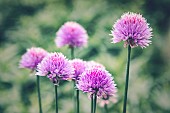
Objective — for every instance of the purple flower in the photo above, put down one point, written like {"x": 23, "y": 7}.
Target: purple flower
{"x": 97, "y": 80}
{"x": 71, "y": 34}
{"x": 133, "y": 29}
{"x": 56, "y": 67}
{"x": 32, "y": 57}
{"x": 79, "y": 66}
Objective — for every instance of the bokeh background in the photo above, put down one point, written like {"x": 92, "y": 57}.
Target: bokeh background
{"x": 27, "y": 23}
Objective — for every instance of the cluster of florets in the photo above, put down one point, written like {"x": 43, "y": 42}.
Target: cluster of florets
{"x": 133, "y": 29}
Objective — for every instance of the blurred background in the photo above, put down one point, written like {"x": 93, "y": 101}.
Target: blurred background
{"x": 27, "y": 23}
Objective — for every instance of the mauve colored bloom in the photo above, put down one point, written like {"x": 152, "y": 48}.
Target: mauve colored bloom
{"x": 56, "y": 67}
{"x": 32, "y": 57}
{"x": 133, "y": 29}
{"x": 97, "y": 80}
{"x": 72, "y": 34}
{"x": 79, "y": 66}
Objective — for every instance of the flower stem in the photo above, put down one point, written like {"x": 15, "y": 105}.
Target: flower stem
{"x": 76, "y": 96}
{"x": 92, "y": 103}
{"x": 105, "y": 108}
{"x": 127, "y": 80}
{"x": 77, "y": 99}
{"x": 56, "y": 98}
{"x": 72, "y": 52}
{"x": 95, "y": 100}
{"x": 39, "y": 94}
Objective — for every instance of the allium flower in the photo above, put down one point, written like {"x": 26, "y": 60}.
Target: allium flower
{"x": 79, "y": 66}
{"x": 56, "y": 67}
{"x": 97, "y": 80}
{"x": 32, "y": 57}
{"x": 133, "y": 29}
{"x": 72, "y": 34}
{"x": 106, "y": 100}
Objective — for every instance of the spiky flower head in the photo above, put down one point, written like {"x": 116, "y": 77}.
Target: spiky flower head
{"x": 56, "y": 67}
{"x": 71, "y": 34}
{"x": 79, "y": 66}
{"x": 97, "y": 81}
{"x": 133, "y": 29}
{"x": 32, "y": 57}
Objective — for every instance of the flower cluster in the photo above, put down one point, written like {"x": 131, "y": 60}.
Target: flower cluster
{"x": 97, "y": 80}
{"x": 32, "y": 57}
{"x": 71, "y": 34}
{"x": 133, "y": 29}
{"x": 56, "y": 67}
{"x": 90, "y": 77}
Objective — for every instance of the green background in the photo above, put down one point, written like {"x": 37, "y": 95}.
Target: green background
{"x": 27, "y": 23}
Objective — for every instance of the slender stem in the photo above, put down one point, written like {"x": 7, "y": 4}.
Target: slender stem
{"x": 56, "y": 98}
{"x": 92, "y": 103}
{"x": 105, "y": 108}
{"x": 127, "y": 80}
{"x": 95, "y": 100}
{"x": 77, "y": 99}
{"x": 72, "y": 52}
{"x": 39, "y": 94}
{"x": 74, "y": 95}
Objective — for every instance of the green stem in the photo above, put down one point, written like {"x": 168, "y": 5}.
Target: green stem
{"x": 39, "y": 94}
{"x": 95, "y": 100}
{"x": 74, "y": 95}
{"x": 77, "y": 99}
{"x": 92, "y": 103}
{"x": 127, "y": 80}
{"x": 105, "y": 108}
{"x": 56, "y": 98}
{"x": 72, "y": 52}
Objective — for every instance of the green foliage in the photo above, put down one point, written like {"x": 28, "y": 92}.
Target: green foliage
{"x": 27, "y": 23}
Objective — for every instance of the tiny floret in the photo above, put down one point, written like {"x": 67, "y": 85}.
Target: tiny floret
{"x": 56, "y": 67}
{"x": 97, "y": 81}
{"x": 133, "y": 29}
{"x": 71, "y": 34}
{"x": 32, "y": 57}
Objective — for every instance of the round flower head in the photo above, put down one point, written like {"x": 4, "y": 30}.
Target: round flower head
{"x": 56, "y": 67}
{"x": 133, "y": 29}
{"x": 32, "y": 57}
{"x": 97, "y": 80}
{"x": 79, "y": 66}
{"x": 71, "y": 34}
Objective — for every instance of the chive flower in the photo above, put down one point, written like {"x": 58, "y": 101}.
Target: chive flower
{"x": 71, "y": 34}
{"x": 97, "y": 81}
{"x": 133, "y": 29}
{"x": 79, "y": 67}
{"x": 32, "y": 57}
{"x": 56, "y": 67}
